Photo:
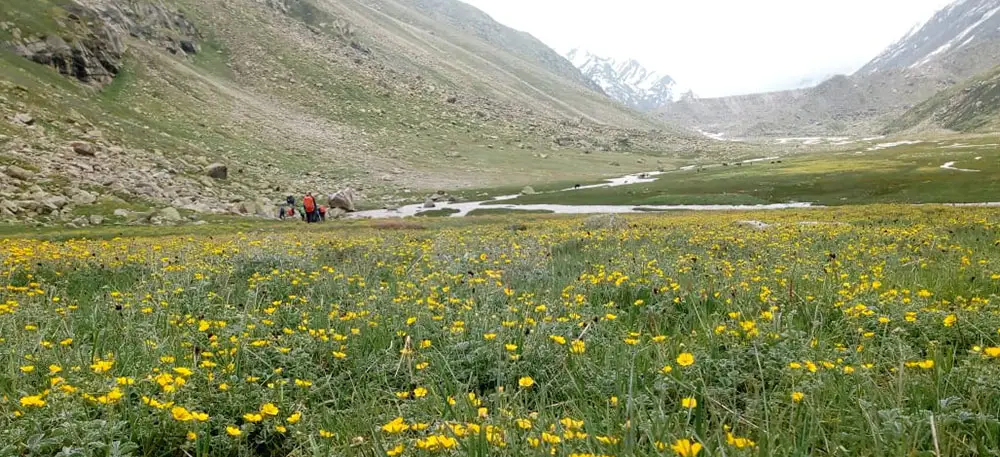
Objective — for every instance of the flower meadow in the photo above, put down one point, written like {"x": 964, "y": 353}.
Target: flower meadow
{"x": 852, "y": 331}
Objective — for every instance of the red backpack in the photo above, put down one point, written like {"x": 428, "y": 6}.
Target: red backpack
{"x": 309, "y": 203}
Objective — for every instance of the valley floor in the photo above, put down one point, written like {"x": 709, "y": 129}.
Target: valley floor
{"x": 854, "y": 331}
{"x": 960, "y": 170}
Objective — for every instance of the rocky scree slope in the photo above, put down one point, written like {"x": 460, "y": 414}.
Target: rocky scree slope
{"x": 131, "y": 102}
{"x": 961, "y": 40}
{"x": 627, "y": 81}
{"x": 957, "y": 43}
{"x": 972, "y": 106}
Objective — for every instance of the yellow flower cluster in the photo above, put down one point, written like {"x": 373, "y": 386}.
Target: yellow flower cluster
{"x": 561, "y": 339}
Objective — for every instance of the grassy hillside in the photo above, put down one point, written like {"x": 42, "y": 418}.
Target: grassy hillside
{"x": 393, "y": 98}
{"x": 971, "y": 106}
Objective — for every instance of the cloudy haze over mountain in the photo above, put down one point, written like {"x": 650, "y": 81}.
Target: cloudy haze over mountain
{"x": 722, "y": 47}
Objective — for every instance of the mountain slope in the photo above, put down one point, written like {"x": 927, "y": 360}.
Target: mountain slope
{"x": 961, "y": 39}
{"x": 958, "y": 42}
{"x": 473, "y": 21}
{"x": 971, "y": 106}
{"x": 627, "y": 81}
{"x": 293, "y": 95}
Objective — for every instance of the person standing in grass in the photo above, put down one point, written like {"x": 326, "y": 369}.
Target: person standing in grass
{"x": 310, "y": 209}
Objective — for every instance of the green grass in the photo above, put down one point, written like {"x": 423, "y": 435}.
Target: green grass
{"x": 107, "y": 207}
{"x": 968, "y": 106}
{"x": 505, "y": 212}
{"x": 873, "y": 333}
{"x": 442, "y": 212}
{"x": 905, "y": 174}
{"x": 34, "y": 17}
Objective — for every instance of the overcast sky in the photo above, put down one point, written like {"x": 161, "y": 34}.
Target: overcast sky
{"x": 722, "y": 47}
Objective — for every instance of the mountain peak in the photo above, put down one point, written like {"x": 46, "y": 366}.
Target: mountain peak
{"x": 626, "y": 80}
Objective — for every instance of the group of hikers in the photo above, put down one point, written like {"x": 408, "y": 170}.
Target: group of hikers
{"x": 310, "y": 211}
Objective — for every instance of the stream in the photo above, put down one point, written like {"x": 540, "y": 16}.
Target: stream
{"x": 464, "y": 208}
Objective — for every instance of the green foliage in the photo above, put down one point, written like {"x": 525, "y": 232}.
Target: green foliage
{"x": 441, "y": 212}
{"x": 843, "y": 331}
{"x": 505, "y": 211}
{"x": 35, "y": 17}
{"x": 902, "y": 174}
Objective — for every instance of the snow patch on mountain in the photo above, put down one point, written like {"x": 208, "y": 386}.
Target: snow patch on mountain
{"x": 627, "y": 80}
{"x": 960, "y": 24}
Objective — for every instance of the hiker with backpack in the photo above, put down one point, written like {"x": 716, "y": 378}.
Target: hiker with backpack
{"x": 310, "y": 208}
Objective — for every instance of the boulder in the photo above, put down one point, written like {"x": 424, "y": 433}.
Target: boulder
{"x": 335, "y": 213}
{"x": 53, "y": 202}
{"x": 17, "y": 172}
{"x": 189, "y": 47}
{"x": 344, "y": 200}
{"x": 142, "y": 217}
{"x": 170, "y": 214}
{"x": 265, "y": 208}
{"x": 84, "y": 198}
{"x": 24, "y": 118}
{"x": 197, "y": 207}
{"x": 84, "y": 148}
{"x": 96, "y": 219}
{"x": 260, "y": 207}
{"x": 217, "y": 171}
{"x": 10, "y": 207}
{"x": 429, "y": 203}
{"x": 528, "y": 190}
{"x": 121, "y": 212}
{"x": 246, "y": 208}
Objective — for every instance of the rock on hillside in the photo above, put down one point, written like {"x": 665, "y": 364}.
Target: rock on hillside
{"x": 91, "y": 47}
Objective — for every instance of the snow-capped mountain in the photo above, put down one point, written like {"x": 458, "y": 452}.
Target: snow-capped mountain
{"x": 958, "y": 35}
{"x": 626, "y": 81}
{"x": 944, "y": 70}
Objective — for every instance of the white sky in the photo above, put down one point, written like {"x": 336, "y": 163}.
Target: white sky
{"x": 722, "y": 47}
